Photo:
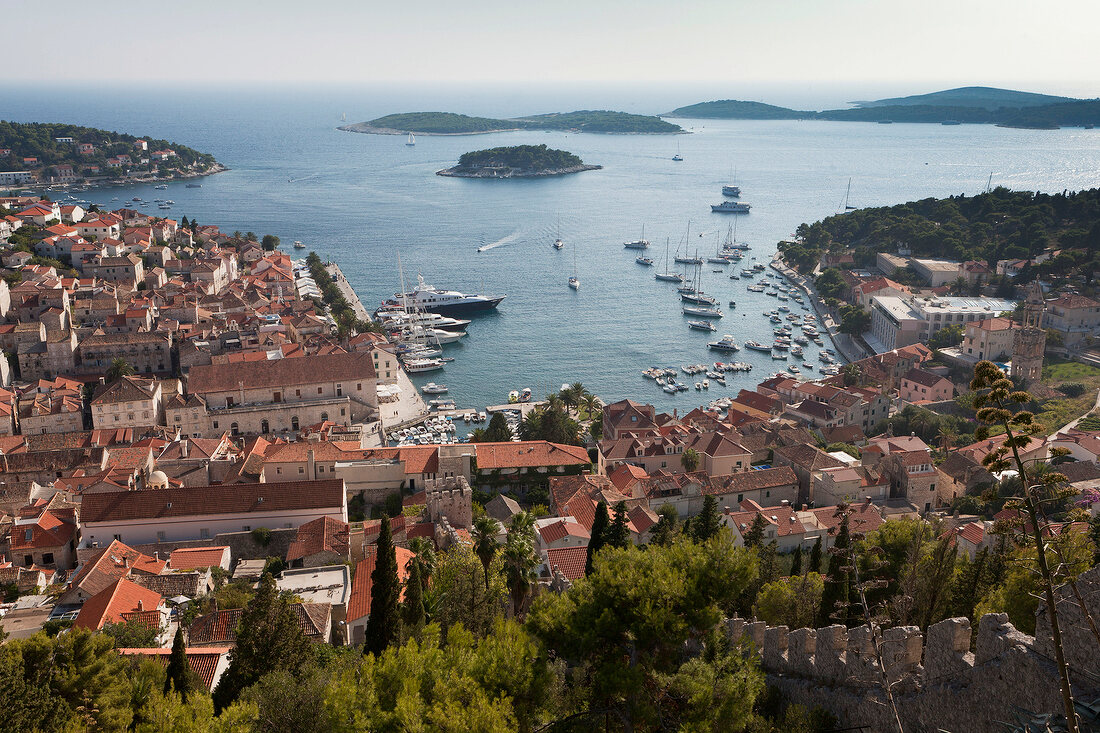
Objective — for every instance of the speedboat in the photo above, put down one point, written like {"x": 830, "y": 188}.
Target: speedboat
{"x": 558, "y": 244}
{"x": 299, "y": 245}
{"x": 731, "y": 207}
{"x": 433, "y": 388}
{"x": 747, "y": 273}
{"x": 756, "y": 346}
{"x": 648, "y": 262}
{"x": 574, "y": 282}
{"x": 726, "y": 343}
{"x": 702, "y": 325}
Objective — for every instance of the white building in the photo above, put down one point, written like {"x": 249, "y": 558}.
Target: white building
{"x": 203, "y": 512}
{"x": 897, "y": 322}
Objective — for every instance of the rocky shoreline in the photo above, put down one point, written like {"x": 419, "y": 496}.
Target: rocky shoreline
{"x": 461, "y": 172}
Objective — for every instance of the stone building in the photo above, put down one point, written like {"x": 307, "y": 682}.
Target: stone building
{"x": 1030, "y": 339}
{"x": 147, "y": 353}
{"x": 130, "y": 402}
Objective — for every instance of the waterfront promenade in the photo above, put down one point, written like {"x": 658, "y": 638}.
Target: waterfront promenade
{"x": 348, "y": 292}
{"x": 847, "y": 347}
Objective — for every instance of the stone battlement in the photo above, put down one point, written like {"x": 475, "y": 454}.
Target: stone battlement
{"x": 937, "y": 681}
{"x": 450, "y": 497}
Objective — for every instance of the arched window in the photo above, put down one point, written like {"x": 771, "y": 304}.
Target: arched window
{"x": 265, "y": 428}
{"x": 324, "y": 416}
{"x": 294, "y": 423}
{"x": 234, "y": 429}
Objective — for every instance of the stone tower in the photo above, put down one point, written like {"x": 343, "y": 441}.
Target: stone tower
{"x": 1030, "y": 339}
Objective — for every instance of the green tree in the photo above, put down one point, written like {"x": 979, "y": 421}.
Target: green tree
{"x": 179, "y": 676}
{"x": 520, "y": 559}
{"x": 793, "y": 602}
{"x": 618, "y": 534}
{"x": 457, "y": 594}
{"x": 270, "y": 242}
{"x": 834, "y": 600}
{"x": 796, "y": 561}
{"x": 598, "y": 535}
{"x": 498, "y": 430}
{"x": 947, "y": 336}
{"x": 118, "y": 369}
{"x": 689, "y": 459}
{"x": 816, "y": 557}
{"x": 709, "y": 522}
{"x": 424, "y": 556}
{"x": 412, "y": 605}
{"x": 268, "y": 638}
{"x": 134, "y": 634}
{"x": 664, "y": 532}
{"x": 755, "y": 536}
{"x": 384, "y": 623}
{"x": 486, "y": 546}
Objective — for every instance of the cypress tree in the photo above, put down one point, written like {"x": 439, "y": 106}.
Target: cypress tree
{"x": 755, "y": 536}
{"x": 815, "y": 557}
{"x": 384, "y": 624}
{"x": 618, "y": 535}
{"x": 708, "y": 523}
{"x": 834, "y": 599}
{"x": 598, "y": 536}
{"x": 178, "y": 675}
{"x": 796, "y": 561}
{"x": 412, "y": 607}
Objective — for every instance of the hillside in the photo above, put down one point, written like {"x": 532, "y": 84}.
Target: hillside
{"x": 518, "y": 161}
{"x": 733, "y": 109}
{"x": 39, "y": 140}
{"x": 989, "y": 98}
{"x": 450, "y": 123}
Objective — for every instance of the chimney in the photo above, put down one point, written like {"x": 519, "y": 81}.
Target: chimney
{"x": 866, "y": 501}
{"x": 184, "y": 448}
{"x": 141, "y": 605}
{"x": 126, "y": 562}
{"x": 310, "y": 464}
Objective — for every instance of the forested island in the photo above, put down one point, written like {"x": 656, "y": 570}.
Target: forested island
{"x": 518, "y": 161}
{"x": 994, "y": 226}
{"x": 449, "y": 123}
{"x": 57, "y": 152}
{"x": 977, "y": 105}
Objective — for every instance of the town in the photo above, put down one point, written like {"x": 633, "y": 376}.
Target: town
{"x": 190, "y": 421}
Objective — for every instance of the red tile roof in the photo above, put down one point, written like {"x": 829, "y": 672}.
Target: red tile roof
{"x": 203, "y": 379}
{"x": 562, "y": 529}
{"x": 569, "y": 560}
{"x": 117, "y": 561}
{"x": 202, "y": 660}
{"x": 359, "y": 603}
{"x": 109, "y": 605}
{"x": 195, "y": 558}
{"x": 529, "y": 454}
{"x": 48, "y": 531}
{"x": 320, "y": 535}
{"x": 218, "y": 499}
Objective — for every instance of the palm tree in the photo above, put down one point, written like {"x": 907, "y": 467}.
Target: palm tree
{"x": 947, "y": 437}
{"x": 485, "y": 542}
{"x": 520, "y": 560}
{"x": 690, "y": 460}
{"x": 119, "y": 368}
{"x": 591, "y": 404}
{"x": 423, "y": 557}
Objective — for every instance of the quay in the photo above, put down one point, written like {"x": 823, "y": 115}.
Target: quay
{"x": 845, "y": 345}
{"x": 347, "y": 291}
{"x": 525, "y": 408}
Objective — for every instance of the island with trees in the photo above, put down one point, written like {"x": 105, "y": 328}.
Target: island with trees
{"x": 977, "y": 105}
{"x": 517, "y": 161}
{"x": 450, "y": 123}
{"x": 61, "y": 153}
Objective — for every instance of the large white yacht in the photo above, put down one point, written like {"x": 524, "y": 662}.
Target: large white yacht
{"x": 433, "y": 300}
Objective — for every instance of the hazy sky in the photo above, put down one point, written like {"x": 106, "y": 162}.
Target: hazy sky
{"x": 911, "y": 46}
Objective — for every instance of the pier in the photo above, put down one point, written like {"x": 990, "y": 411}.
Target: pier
{"x": 347, "y": 291}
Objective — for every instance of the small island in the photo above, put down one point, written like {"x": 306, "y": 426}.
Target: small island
{"x": 518, "y": 161}
{"x": 450, "y": 123}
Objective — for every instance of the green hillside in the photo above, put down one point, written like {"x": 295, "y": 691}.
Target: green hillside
{"x": 989, "y": 98}
{"x": 38, "y": 140}
{"x": 734, "y": 109}
{"x": 449, "y": 123}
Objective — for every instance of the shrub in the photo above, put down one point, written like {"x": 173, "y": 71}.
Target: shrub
{"x": 1071, "y": 389}
{"x": 262, "y": 536}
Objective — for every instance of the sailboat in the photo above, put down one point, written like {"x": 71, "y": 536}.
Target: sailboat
{"x": 411, "y": 141}
{"x": 718, "y": 258}
{"x": 848, "y": 207}
{"x": 678, "y": 157}
{"x": 558, "y": 244}
{"x": 642, "y": 243}
{"x": 574, "y": 282}
{"x": 667, "y": 276}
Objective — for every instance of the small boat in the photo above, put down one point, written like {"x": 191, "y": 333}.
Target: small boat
{"x": 669, "y": 277}
{"x": 416, "y": 366}
{"x": 573, "y": 281}
{"x": 726, "y": 343}
{"x": 678, "y": 158}
{"x": 731, "y": 207}
{"x": 648, "y": 262}
{"x": 411, "y": 141}
{"x": 642, "y": 243}
{"x": 702, "y": 325}
{"x": 298, "y": 245}
{"x": 689, "y": 310}
{"x": 161, "y": 187}
{"x": 558, "y": 244}
{"x": 756, "y": 346}
{"x": 433, "y": 388}
{"x": 696, "y": 260}
{"x": 443, "y": 404}
{"x": 731, "y": 190}
{"x": 733, "y": 304}
{"x": 194, "y": 185}
{"x": 747, "y": 273}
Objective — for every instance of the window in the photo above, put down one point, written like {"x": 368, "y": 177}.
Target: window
{"x": 47, "y": 558}
{"x": 301, "y": 469}
{"x": 324, "y": 416}
{"x": 118, "y": 537}
{"x": 293, "y": 423}
{"x": 204, "y": 533}
{"x": 246, "y": 528}
{"x": 297, "y": 393}
{"x": 740, "y": 498}
{"x": 28, "y": 560}
{"x": 318, "y": 390}
{"x": 235, "y": 429}
{"x": 278, "y": 470}
{"x": 359, "y": 387}
{"x": 339, "y": 390}
{"x": 264, "y": 427}
{"x": 320, "y": 469}
{"x": 161, "y": 537}
{"x": 215, "y": 424}
{"x": 277, "y": 397}
{"x": 343, "y": 411}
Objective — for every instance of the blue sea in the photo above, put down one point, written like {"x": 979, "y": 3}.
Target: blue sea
{"x": 363, "y": 200}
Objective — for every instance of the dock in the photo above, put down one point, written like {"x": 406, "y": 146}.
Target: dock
{"x": 347, "y": 291}
{"x": 525, "y": 408}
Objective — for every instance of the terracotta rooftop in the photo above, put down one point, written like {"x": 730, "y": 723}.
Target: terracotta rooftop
{"x": 320, "y": 535}
{"x": 569, "y": 560}
{"x": 202, "y": 660}
{"x": 109, "y": 605}
{"x": 194, "y": 558}
{"x": 348, "y": 368}
{"x": 359, "y": 603}
{"x": 529, "y": 454}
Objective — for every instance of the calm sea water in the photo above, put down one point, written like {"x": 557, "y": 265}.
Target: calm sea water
{"x": 362, "y": 200}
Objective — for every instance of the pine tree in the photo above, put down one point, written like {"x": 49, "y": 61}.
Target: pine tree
{"x": 618, "y": 535}
{"x": 384, "y": 624}
{"x": 834, "y": 600}
{"x": 178, "y": 675}
{"x": 708, "y": 523}
{"x": 665, "y": 530}
{"x": 796, "y": 561}
{"x": 598, "y": 535}
{"x": 269, "y": 637}
{"x": 412, "y": 607}
{"x": 815, "y": 557}
{"x": 755, "y": 535}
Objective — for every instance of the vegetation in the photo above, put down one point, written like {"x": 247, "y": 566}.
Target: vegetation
{"x": 947, "y": 336}
{"x": 582, "y": 121}
{"x": 347, "y": 323}
{"x": 37, "y": 139}
{"x": 516, "y": 160}
{"x": 384, "y": 624}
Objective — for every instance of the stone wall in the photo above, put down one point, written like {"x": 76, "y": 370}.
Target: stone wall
{"x": 452, "y": 498}
{"x": 937, "y": 682}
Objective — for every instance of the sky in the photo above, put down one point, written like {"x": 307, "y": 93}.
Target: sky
{"x": 741, "y": 47}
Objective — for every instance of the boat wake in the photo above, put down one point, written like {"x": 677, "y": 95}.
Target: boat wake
{"x": 500, "y": 242}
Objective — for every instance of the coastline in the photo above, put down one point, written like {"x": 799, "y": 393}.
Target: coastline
{"x": 457, "y": 172}
{"x": 121, "y": 182}
{"x": 364, "y": 128}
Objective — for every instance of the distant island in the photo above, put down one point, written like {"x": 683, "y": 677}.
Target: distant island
{"x": 449, "y": 123}
{"x": 972, "y": 105}
{"x": 55, "y": 153}
{"x": 518, "y": 161}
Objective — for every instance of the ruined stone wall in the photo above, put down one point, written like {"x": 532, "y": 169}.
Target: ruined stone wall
{"x": 452, "y": 498}
{"x": 937, "y": 682}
